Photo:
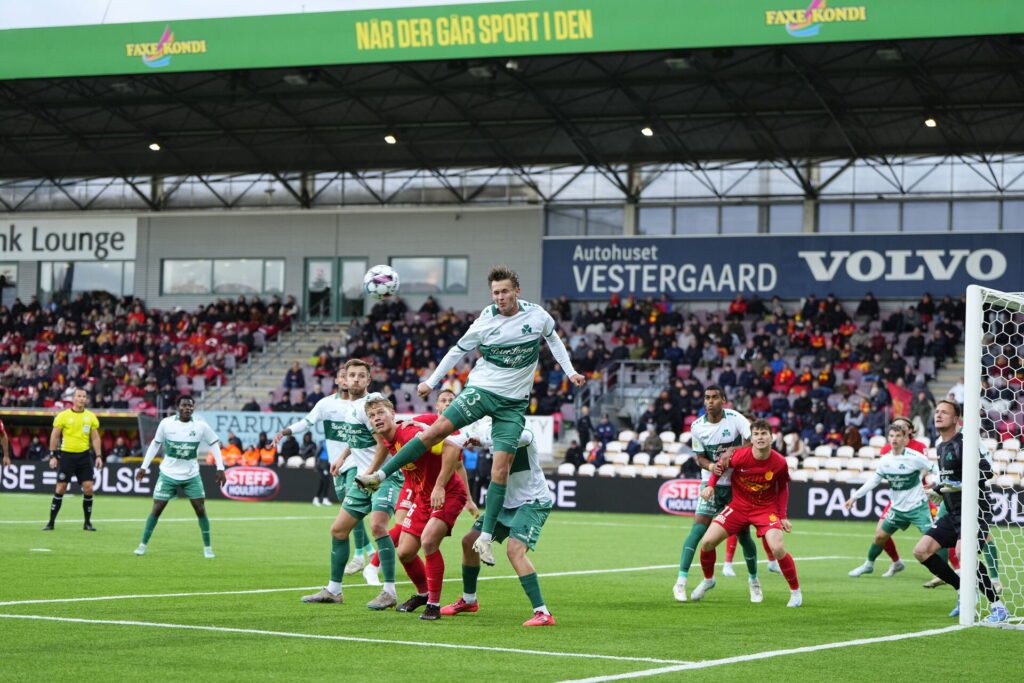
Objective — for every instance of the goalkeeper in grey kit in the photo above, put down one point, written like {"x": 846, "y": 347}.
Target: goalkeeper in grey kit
{"x": 945, "y": 532}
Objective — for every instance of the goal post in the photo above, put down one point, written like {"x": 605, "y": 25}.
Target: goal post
{"x": 993, "y": 414}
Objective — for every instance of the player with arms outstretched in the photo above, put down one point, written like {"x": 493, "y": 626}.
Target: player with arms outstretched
{"x": 903, "y": 468}
{"x": 440, "y": 496}
{"x": 945, "y": 532}
{"x": 760, "y": 488}
{"x": 507, "y": 334}
{"x": 716, "y": 435}
{"x": 181, "y": 436}
{"x": 528, "y": 503}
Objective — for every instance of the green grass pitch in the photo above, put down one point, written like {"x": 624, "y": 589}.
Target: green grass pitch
{"x": 607, "y": 579}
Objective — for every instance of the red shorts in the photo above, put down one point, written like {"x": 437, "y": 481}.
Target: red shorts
{"x": 735, "y": 520}
{"x": 406, "y": 498}
{"x": 454, "y": 500}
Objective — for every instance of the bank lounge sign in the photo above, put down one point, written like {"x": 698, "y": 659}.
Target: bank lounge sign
{"x": 786, "y": 266}
{"x": 68, "y": 239}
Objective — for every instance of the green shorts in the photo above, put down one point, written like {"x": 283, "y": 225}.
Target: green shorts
{"x": 722, "y": 497}
{"x": 522, "y": 523}
{"x": 359, "y": 503}
{"x": 921, "y": 517}
{"x": 168, "y": 489}
{"x": 344, "y": 481}
{"x": 508, "y": 415}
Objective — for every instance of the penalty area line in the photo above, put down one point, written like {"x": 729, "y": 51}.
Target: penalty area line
{"x": 765, "y": 655}
{"x": 362, "y": 585}
{"x": 351, "y": 639}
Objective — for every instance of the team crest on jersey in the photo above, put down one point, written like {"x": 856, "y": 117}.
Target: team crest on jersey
{"x": 769, "y": 475}
{"x": 725, "y": 432}
{"x": 772, "y": 518}
{"x": 526, "y": 329}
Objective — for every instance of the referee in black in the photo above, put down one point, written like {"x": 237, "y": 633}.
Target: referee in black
{"x": 74, "y": 431}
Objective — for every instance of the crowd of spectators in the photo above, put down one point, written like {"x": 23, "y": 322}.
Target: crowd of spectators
{"x": 125, "y": 355}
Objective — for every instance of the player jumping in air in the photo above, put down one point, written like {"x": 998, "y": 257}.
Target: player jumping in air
{"x": 440, "y": 495}
{"x": 528, "y": 503}
{"x": 760, "y": 488}
{"x": 181, "y": 436}
{"x": 507, "y": 334}
{"x": 902, "y": 468}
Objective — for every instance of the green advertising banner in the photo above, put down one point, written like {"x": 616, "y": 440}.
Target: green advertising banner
{"x": 501, "y": 29}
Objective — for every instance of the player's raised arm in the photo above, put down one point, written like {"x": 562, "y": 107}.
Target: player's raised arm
{"x": 468, "y": 342}
{"x": 558, "y": 350}
{"x": 874, "y": 480}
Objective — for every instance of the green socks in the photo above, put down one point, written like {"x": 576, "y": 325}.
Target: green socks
{"x": 690, "y": 547}
{"x": 360, "y": 536}
{"x": 339, "y": 558}
{"x": 411, "y": 451}
{"x": 150, "y": 525}
{"x": 530, "y": 586}
{"x": 749, "y": 552}
{"x": 469, "y": 575}
{"x": 495, "y": 501}
{"x": 991, "y": 555}
{"x": 386, "y": 555}
{"x": 874, "y": 551}
{"x": 204, "y": 526}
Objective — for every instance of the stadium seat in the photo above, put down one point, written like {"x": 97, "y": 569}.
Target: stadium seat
{"x": 845, "y": 452}
{"x": 310, "y": 463}
{"x": 650, "y": 472}
{"x": 1015, "y": 468}
{"x": 1012, "y": 444}
{"x": 614, "y": 446}
{"x": 1003, "y": 455}
{"x": 670, "y": 437}
{"x": 606, "y": 470}
{"x": 998, "y": 467}
{"x": 566, "y": 469}
{"x": 792, "y": 461}
{"x": 685, "y": 437}
{"x": 294, "y": 461}
{"x": 798, "y": 475}
{"x": 990, "y": 444}
{"x": 1005, "y": 481}
{"x": 672, "y": 447}
{"x": 642, "y": 435}
{"x": 617, "y": 458}
{"x": 867, "y": 452}
{"x": 812, "y": 463}
{"x": 587, "y": 469}
{"x": 662, "y": 459}
{"x": 877, "y": 441}
{"x": 823, "y": 451}
{"x": 628, "y": 471}
{"x": 822, "y": 476}
{"x": 857, "y": 464}
{"x": 670, "y": 471}
{"x": 627, "y": 435}
{"x": 842, "y": 476}
{"x": 642, "y": 459}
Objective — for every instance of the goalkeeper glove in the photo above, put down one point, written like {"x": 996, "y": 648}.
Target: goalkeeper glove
{"x": 949, "y": 486}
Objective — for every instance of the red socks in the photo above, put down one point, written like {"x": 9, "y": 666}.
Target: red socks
{"x": 707, "y": 563}
{"x": 954, "y": 558}
{"x": 435, "y": 577}
{"x": 417, "y": 573}
{"x": 730, "y": 548}
{"x": 788, "y": 567}
{"x": 394, "y": 533}
{"x": 767, "y": 549}
{"x": 890, "y": 550}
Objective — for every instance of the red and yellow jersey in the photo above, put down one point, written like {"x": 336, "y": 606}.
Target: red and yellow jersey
{"x": 421, "y": 474}
{"x": 759, "y": 484}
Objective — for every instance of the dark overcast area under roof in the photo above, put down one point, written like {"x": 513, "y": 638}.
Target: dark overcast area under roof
{"x": 845, "y": 100}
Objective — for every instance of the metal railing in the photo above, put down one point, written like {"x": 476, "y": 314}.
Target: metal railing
{"x": 625, "y": 388}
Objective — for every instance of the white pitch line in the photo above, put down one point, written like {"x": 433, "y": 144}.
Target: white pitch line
{"x": 764, "y": 655}
{"x": 677, "y": 527}
{"x": 99, "y": 520}
{"x": 363, "y": 585}
{"x": 351, "y": 639}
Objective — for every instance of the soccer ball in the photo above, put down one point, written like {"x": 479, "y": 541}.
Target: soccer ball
{"x": 381, "y": 282}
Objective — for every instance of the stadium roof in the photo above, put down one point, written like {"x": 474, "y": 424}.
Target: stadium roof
{"x": 789, "y": 102}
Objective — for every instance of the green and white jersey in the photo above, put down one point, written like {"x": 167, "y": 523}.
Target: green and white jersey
{"x": 357, "y": 434}
{"x": 181, "y": 442}
{"x": 711, "y": 439}
{"x": 526, "y": 480}
{"x": 331, "y": 411}
{"x": 903, "y": 472}
{"x": 509, "y": 348}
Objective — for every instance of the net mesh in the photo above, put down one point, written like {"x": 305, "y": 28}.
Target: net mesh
{"x": 1001, "y": 409}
